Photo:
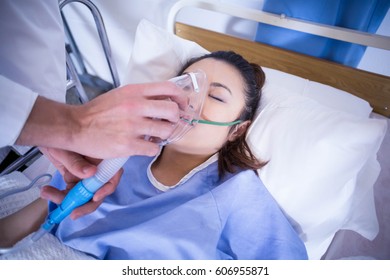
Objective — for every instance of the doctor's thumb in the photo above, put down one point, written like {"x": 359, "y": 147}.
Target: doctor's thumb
{"x": 79, "y": 170}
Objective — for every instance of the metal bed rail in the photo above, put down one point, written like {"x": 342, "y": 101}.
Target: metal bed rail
{"x": 73, "y": 76}
{"x": 328, "y": 31}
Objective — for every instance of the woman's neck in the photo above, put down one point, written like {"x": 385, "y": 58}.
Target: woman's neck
{"x": 172, "y": 165}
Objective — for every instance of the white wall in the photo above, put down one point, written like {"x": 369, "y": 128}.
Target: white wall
{"x": 122, "y": 16}
{"x": 223, "y": 23}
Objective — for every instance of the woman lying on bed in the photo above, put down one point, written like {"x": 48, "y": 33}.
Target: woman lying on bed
{"x": 200, "y": 198}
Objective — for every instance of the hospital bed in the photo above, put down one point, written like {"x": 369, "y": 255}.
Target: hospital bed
{"x": 323, "y": 126}
{"x": 337, "y": 215}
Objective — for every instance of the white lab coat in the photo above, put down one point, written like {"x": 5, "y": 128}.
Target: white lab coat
{"x": 32, "y": 61}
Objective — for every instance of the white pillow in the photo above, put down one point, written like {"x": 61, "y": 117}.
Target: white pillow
{"x": 324, "y": 94}
{"x": 325, "y": 146}
{"x": 157, "y": 55}
{"x": 316, "y": 154}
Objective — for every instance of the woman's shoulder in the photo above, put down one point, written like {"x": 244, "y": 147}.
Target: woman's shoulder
{"x": 239, "y": 186}
{"x": 245, "y": 203}
{"x": 247, "y": 179}
{"x": 136, "y": 162}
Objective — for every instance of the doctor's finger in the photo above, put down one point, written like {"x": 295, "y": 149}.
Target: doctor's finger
{"x": 98, "y": 198}
{"x": 156, "y": 128}
{"x": 85, "y": 209}
{"x": 71, "y": 162}
{"x": 162, "y": 109}
{"x": 165, "y": 90}
{"x": 52, "y": 194}
{"x": 109, "y": 187}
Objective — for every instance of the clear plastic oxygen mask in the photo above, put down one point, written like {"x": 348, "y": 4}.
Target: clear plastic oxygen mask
{"x": 194, "y": 87}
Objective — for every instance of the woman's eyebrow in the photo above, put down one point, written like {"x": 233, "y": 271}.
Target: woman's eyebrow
{"x": 215, "y": 84}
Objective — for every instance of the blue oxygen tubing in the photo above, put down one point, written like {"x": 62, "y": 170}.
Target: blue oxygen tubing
{"x": 83, "y": 191}
{"x": 80, "y": 194}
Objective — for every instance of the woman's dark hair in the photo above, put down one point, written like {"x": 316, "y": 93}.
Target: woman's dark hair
{"x": 237, "y": 153}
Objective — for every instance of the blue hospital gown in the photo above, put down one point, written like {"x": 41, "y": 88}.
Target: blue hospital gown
{"x": 202, "y": 218}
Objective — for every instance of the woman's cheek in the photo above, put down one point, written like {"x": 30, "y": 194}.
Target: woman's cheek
{"x": 216, "y": 114}
{"x": 207, "y": 135}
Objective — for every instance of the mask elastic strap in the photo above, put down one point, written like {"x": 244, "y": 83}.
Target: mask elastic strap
{"x": 218, "y": 123}
{"x": 213, "y": 123}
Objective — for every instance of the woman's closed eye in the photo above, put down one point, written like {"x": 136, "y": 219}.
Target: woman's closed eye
{"x": 216, "y": 97}
{"x": 219, "y": 92}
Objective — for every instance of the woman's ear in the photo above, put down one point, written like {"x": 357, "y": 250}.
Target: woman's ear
{"x": 239, "y": 130}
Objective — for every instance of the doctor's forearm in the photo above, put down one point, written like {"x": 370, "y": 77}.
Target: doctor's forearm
{"x": 50, "y": 124}
{"x": 111, "y": 125}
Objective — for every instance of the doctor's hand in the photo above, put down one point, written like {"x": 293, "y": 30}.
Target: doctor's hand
{"x": 74, "y": 167}
{"x": 115, "y": 124}
{"x": 112, "y": 125}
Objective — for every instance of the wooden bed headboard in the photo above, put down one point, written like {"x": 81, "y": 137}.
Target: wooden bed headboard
{"x": 369, "y": 86}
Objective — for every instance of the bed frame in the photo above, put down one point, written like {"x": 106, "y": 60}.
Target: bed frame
{"x": 372, "y": 87}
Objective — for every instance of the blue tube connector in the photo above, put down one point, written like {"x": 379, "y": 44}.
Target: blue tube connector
{"x": 77, "y": 196}
{"x": 83, "y": 191}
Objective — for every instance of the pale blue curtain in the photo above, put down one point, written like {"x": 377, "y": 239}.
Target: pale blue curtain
{"x": 363, "y": 15}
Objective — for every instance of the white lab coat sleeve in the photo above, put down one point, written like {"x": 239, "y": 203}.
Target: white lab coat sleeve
{"x": 32, "y": 48}
{"x": 16, "y": 103}
{"x": 32, "y": 60}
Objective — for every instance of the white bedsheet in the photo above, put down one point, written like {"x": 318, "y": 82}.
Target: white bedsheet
{"x": 46, "y": 248}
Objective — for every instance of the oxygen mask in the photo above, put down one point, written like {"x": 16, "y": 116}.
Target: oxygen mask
{"x": 194, "y": 87}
